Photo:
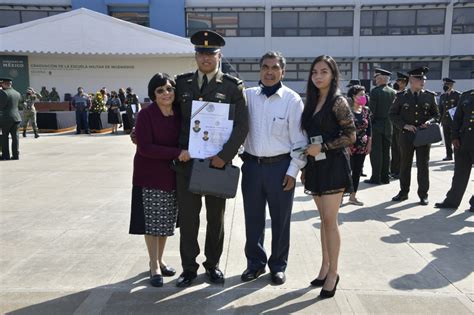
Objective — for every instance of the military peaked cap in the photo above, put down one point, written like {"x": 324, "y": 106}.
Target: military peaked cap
{"x": 353, "y": 82}
{"x": 402, "y": 76}
{"x": 448, "y": 80}
{"x": 207, "y": 41}
{"x": 419, "y": 73}
{"x": 382, "y": 72}
{"x": 6, "y": 79}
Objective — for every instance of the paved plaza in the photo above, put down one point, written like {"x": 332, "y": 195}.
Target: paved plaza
{"x": 65, "y": 247}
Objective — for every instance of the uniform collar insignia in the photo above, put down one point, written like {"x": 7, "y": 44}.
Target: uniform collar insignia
{"x": 220, "y": 96}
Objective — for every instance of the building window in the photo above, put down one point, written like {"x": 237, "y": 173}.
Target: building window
{"x": 461, "y": 69}
{"x": 27, "y": 16}
{"x": 402, "y": 22}
{"x": 366, "y": 69}
{"x": 229, "y": 24}
{"x": 14, "y": 16}
{"x": 132, "y": 14}
{"x": 297, "y": 69}
{"x": 9, "y": 17}
{"x": 463, "y": 20}
{"x": 312, "y": 23}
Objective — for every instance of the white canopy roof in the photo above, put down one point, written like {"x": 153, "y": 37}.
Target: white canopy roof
{"x": 86, "y": 32}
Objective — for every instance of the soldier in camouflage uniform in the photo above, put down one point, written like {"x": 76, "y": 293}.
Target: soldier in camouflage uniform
{"x": 413, "y": 109}
{"x": 449, "y": 99}
{"x": 29, "y": 110}
{"x": 54, "y": 95}
{"x": 44, "y": 94}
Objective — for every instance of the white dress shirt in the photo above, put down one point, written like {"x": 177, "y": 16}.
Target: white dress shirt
{"x": 275, "y": 126}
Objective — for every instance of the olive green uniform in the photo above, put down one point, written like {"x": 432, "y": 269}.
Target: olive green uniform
{"x": 448, "y": 101}
{"x": 410, "y": 109}
{"x": 381, "y": 99}
{"x": 54, "y": 96}
{"x": 29, "y": 113}
{"x": 9, "y": 121}
{"x": 226, "y": 89}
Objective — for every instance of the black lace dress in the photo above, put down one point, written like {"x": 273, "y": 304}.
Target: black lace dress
{"x": 334, "y": 122}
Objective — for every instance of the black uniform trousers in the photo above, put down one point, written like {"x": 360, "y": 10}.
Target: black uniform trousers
{"x": 463, "y": 161}
{"x": 447, "y": 140}
{"x": 357, "y": 163}
{"x": 407, "y": 150}
{"x": 395, "y": 150}
{"x": 262, "y": 184}
{"x": 189, "y": 206}
{"x": 7, "y": 130}
{"x": 380, "y": 156}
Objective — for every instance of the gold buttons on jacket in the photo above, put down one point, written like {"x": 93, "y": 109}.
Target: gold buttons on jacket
{"x": 200, "y": 98}
{"x": 416, "y": 120}
{"x": 416, "y": 113}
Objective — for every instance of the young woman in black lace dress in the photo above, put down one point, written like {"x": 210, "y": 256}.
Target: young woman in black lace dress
{"x": 327, "y": 114}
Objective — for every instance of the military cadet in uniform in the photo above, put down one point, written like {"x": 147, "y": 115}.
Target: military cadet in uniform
{"x": 463, "y": 141}
{"x": 44, "y": 94}
{"x": 29, "y": 110}
{"x": 54, "y": 95}
{"x": 208, "y": 83}
{"x": 381, "y": 98}
{"x": 412, "y": 109}
{"x": 9, "y": 119}
{"x": 449, "y": 99}
{"x": 133, "y": 106}
{"x": 399, "y": 86}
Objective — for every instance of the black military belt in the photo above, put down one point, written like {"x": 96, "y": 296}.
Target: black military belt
{"x": 265, "y": 159}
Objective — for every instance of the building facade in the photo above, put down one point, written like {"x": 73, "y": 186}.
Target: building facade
{"x": 360, "y": 34}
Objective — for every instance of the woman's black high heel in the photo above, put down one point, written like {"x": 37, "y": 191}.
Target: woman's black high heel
{"x": 329, "y": 294}
{"x": 318, "y": 282}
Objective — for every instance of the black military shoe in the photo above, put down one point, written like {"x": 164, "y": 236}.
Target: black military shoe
{"x": 424, "y": 201}
{"x": 448, "y": 158}
{"x": 372, "y": 182}
{"x": 185, "y": 279}
{"x": 400, "y": 197}
{"x": 215, "y": 275}
{"x": 249, "y": 274}
{"x": 444, "y": 205}
{"x": 278, "y": 277}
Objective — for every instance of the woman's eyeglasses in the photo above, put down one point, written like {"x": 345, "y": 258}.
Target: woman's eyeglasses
{"x": 169, "y": 89}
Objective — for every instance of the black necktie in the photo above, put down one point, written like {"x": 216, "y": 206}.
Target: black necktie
{"x": 415, "y": 95}
{"x": 204, "y": 83}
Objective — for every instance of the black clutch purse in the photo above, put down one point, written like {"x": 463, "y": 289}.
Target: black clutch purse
{"x": 219, "y": 182}
{"x": 428, "y": 135}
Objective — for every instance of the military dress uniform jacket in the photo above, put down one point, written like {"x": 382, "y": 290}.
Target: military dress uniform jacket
{"x": 381, "y": 99}
{"x": 9, "y": 113}
{"x": 446, "y": 102}
{"x": 406, "y": 111}
{"x": 463, "y": 123}
{"x": 223, "y": 88}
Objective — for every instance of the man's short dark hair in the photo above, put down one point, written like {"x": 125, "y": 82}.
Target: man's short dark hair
{"x": 274, "y": 54}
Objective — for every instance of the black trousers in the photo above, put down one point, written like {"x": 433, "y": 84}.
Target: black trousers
{"x": 357, "y": 163}
{"x": 463, "y": 161}
{"x": 395, "y": 150}
{"x": 189, "y": 206}
{"x": 10, "y": 129}
{"x": 447, "y": 140}
{"x": 407, "y": 150}
{"x": 380, "y": 156}
{"x": 262, "y": 185}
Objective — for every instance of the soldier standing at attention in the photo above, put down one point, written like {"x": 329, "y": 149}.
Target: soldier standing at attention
{"x": 412, "y": 109}
{"x": 44, "y": 94}
{"x": 463, "y": 141}
{"x": 399, "y": 86}
{"x": 29, "y": 110}
{"x": 133, "y": 106}
{"x": 54, "y": 96}
{"x": 208, "y": 83}
{"x": 381, "y": 98}
{"x": 448, "y": 100}
{"x": 9, "y": 119}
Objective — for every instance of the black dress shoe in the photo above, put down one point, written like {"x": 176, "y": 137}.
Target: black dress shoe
{"x": 329, "y": 294}
{"x": 400, "y": 197}
{"x": 249, "y": 274}
{"x": 156, "y": 280}
{"x": 385, "y": 182}
{"x": 167, "y": 271}
{"x": 363, "y": 175}
{"x": 448, "y": 158}
{"x": 372, "y": 182}
{"x": 424, "y": 201}
{"x": 278, "y": 277}
{"x": 444, "y": 205}
{"x": 318, "y": 282}
{"x": 185, "y": 279}
{"x": 215, "y": 275}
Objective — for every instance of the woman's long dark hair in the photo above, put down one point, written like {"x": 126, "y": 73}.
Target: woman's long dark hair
{"x": 312, "y": 92}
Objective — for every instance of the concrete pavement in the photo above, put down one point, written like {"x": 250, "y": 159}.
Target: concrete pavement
{"x": 65, "y": 247}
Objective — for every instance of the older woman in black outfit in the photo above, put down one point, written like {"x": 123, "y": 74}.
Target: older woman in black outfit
{"x": 327, "y": 114}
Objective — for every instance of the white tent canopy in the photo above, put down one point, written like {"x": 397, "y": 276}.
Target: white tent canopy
{"x": 86, "y": 32}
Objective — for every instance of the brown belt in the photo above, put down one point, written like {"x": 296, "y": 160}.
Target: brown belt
{"x": 265, "y": 159}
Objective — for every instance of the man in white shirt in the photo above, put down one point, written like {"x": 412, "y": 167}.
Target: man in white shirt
{"x": 271, "y": 163}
